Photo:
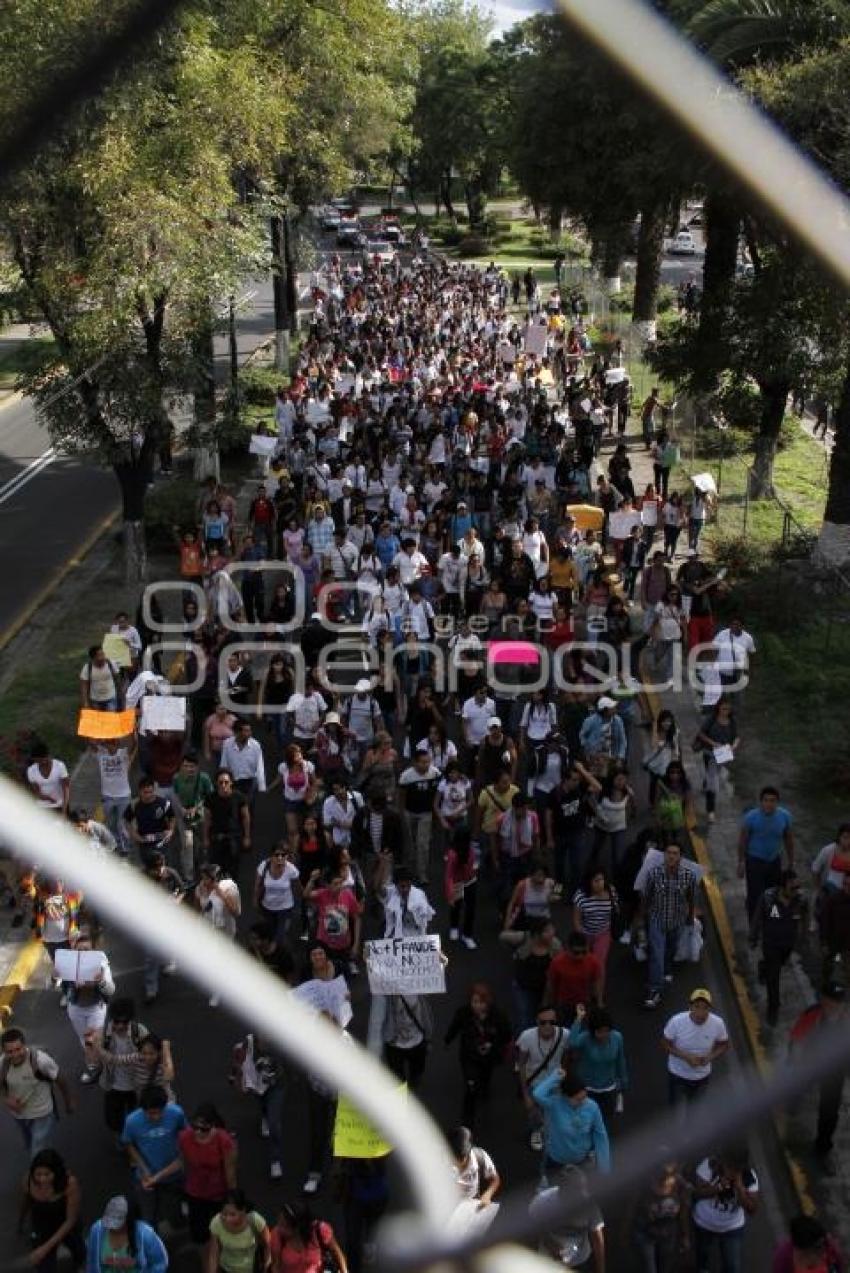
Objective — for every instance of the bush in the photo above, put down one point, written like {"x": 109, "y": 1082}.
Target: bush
{"x": 451, "y": 236}
{"x": 259, "y": 385}
{"x": 167, "y": 506}
{"x": 740, "y": 555}
{"x": 474, "y": 245}
{"x": 800, "y": 544}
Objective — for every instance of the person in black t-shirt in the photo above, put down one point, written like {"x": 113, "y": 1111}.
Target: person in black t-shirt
{"x": 566, "y": 827}
{"x": 227, "y": 824}
{"x": 151, "y": 821}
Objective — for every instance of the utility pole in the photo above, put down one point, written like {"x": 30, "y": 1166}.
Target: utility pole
{"x": 291, "y": 275}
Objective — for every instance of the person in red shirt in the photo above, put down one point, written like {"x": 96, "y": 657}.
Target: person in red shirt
{"x": 300, "y": 1244}
{"x": 809, "y": 1249}
{"x": 209, "y": 1166}
{"x": 575, "y": 976}
{"x": 262, "y": 516}
{"x": 337, "y": 917}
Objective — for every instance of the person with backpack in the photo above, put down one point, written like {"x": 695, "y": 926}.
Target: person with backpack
{"x": 101, "y": 686}
{"x": 122, "y": 1037}
{"x": 540, "y": 1051}
{"x": 27, "y": 1079}
{"x": 301, "y": 1244}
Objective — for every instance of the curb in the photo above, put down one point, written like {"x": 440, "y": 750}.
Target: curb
{"x": 58, "y": 577}
{"x": 748, "y": 1015}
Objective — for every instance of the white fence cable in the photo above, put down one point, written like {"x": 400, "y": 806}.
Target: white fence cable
{"x": 667, "y": 68}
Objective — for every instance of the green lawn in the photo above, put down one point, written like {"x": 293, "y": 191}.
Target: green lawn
{"x": 18, "y": 358}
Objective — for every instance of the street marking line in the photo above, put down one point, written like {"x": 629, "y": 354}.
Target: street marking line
{"x": 26, "y": 475}
{"x": 19, "y": 975}
{"x": 749, "y": 1016}
{"x": 59, "y": 577}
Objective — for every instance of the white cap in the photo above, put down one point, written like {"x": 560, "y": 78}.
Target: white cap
{"x": 495, "y": 722}
{"x": 363, "y": 686}
{"x": 605, "y": 701}
{"x": 332, "y": 718}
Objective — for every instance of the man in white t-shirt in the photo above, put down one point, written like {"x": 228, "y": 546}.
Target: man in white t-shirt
{"x": 114, "y": 760}
{"x": 539, "y": 1052}
{"x": 49, "y": 780}
{"x": 475, "y": 715}
{"x": 734, "y": 647}
{"x": 338, "y": 813}
{"x": 26, "y": 1085}
{"x": 693, "y": 1041}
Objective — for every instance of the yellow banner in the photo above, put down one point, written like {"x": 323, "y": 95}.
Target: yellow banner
{"x": 354, "y": 1135}
{"x": 102, "y": 725}
{"x": 116, "y": 648}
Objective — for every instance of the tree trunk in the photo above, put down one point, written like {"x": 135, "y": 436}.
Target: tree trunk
{"x": 446, "y": 195}
{"x": 291, "y": 275}
{"x": 774, "y": 398}
{"x": 833, "y": 546}
{"x": 648, "y": 275}
{"x": 556, "y": 222}
{"x": 203, "y": 352}
{"x": 722, "y": 228}
{"x": 612, "y": 257}
{"x": 476, "y": 202}
{"x": 281, "y": 309}
{"x": 134, "y": 475}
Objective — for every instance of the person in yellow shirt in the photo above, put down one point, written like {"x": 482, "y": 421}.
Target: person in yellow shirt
{"x": 493, "y": 801}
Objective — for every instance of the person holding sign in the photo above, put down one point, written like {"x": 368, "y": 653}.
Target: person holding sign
{"x": 88, "y": 994}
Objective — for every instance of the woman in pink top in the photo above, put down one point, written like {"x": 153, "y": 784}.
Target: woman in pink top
{"x": 300, "y": 1244}
{"x": 217, "y": 729}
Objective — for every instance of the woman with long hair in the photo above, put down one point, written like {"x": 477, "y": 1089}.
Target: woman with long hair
{"x": 595, "y": 911}
{"x": 239, "y": 1240}
{"x": 483, "y": 1032}
{"x": 208, "y": 1153}
{"x": 301, "y": 1244}
{"x": 275, "y": 692}
{"x": 50, "y": 1207}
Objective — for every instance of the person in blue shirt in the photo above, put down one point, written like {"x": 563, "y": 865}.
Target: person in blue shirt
{"x": 120, "y": 1240}
{"x": 603, "y": 735}
{"x": 150, "y": 1138}
{"x": 765, "y": 832}
{"x": 597, "y": 1050}
{"x": 573, "y": 1128}
{"x": 387, "y": 544}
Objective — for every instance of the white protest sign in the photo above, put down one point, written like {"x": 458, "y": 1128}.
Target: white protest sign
{"x": 262, "y": 445}
{"x": 507, "y": 353}
{"x": 79, "y": 966}
{"x": 344, "y": 385}
{"x": 535, "y": 338}
{"x": 620, "y": 524}
{"x": 654, "y": 857}
{"x": 615, "y": 376}
{"x": 327, "y": 996}
{"x": 163, "y": 711}
{"x": 405, "y": 965}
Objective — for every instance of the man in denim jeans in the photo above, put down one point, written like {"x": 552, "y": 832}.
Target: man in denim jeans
{"x": 27, "y": 1076}
{"x": 668, "y": 905}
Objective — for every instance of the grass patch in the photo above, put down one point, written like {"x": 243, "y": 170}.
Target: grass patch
{"x": 44, "y": 694}
{"x": 22, "y": 357}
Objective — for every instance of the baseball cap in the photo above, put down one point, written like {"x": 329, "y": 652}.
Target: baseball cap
{"x": 115, "y": 1213}
{"x": 605, "y": 701}
{"x": 495, "y": 722}
{"x": 332, "y": 718}
{"x": 363, "y": 686}
{"x": 698, "y": 994}
{"x": 462, "y": 503}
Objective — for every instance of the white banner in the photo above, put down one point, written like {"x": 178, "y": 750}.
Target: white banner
{"x": 620, "y": 524}
{"x": 406, "y": 966}
{"x": 536, "y": 335}
{"x": 79, "y": 966}
{"x": 262, "y": 444}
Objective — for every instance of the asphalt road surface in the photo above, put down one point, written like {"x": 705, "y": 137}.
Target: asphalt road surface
{"x": 202, "y": 1039}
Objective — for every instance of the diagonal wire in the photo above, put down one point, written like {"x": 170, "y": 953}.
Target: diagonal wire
{"x": 47, "y": 113}
{"x": 664, "y": 66}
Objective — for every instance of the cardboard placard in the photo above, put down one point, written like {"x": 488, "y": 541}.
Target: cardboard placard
{"x": 163, "y": 712}
{"x": 116, "y": 648}
{"x": 405, "y": 965}
{"x": 261, "y": 444}
{"x": 101, "y": 726}
{"x": 331, "y": 997}
{"x": 535, "y": 338}
{"x": 620, "y": 524}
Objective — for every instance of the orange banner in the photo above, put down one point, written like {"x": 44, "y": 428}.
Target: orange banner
{"x": 103, "y": 725}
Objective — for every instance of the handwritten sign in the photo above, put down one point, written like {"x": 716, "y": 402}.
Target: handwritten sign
{"x": 354, "y": 1135}
{"x": 507, "y": 353}
{"x": 105, "y": 725}
{"x": 331, "y": 997}
{"x": 163, "y": 712}
{"x": 260, "y": 444}
{"x": 115, "y": 647}
{"x": 405, "y": 965}
{"x": 535, "y": 337}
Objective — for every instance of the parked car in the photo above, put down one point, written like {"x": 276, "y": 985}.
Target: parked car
{"x": 379, "y": 250}
{"x": 330, "y": 219}
{"x": 349, "y": 233}
{"x": 683, "y": 244}
{"x": 395, "y": 235}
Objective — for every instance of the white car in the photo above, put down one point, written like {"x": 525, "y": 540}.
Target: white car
{"x": 683, "y": 244}
{"x": 380, "y": 250}
{"x": 395, "y": 235}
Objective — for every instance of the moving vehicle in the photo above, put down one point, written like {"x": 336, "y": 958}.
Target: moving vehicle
{"x": 380, "y": 250}
{"x": 683, "y": 244}
{"x": 349, "y": 233}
